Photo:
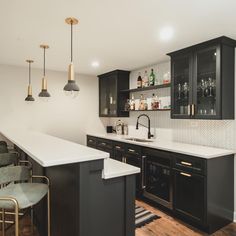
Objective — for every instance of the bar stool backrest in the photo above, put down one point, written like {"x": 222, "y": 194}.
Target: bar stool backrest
{"x": 8, "y": 159}
{"x": 14, "y": 173}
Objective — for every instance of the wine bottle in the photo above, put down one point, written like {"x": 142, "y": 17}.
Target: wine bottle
{"x": 152, "y": 78}
{"x": 139, "y": 81}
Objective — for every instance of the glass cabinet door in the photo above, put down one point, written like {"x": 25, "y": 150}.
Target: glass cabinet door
{"x": 206, "y": 80}
{"x": 112, "y": 96}
{"x": 104, "y": 97}
{"x": 181, "y": 86}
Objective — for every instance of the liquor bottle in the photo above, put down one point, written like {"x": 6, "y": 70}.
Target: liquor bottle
{"x": 143, "y": 103}
{"x": 152, "y": 78}
{"x": 132, "y": 103}
{"x": 139, "y": 81}
{"x": 145, "y": 80}
{"x": 155, "y": 102}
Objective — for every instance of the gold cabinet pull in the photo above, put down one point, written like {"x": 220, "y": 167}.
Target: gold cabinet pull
{"x": 186, "y": 163}
{"x": 131, "y": 150}
{"x": 90, "y": 140}
{"x": 193, "y": 109}
{"x": 118, "y": 147}
{"x": 103, "y": 144}
{"x": 185, "y": 174}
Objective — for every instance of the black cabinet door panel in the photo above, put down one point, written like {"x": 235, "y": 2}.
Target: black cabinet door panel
{"x": 189, "y": 199}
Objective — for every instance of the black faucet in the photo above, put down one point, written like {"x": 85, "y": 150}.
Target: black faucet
{"x": 149, "y": 132}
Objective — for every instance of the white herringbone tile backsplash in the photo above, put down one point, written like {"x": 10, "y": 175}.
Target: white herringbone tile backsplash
{"x": 220, "y": 134}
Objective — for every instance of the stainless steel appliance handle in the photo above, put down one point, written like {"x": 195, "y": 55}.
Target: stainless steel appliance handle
{"x": 143, "y": 172}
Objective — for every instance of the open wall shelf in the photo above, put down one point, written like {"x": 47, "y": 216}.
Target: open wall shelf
{"x": 145, "y": 88}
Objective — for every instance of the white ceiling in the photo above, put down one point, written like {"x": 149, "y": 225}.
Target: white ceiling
{"x": 120, "y": 34}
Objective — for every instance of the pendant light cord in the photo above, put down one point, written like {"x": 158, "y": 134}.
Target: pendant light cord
{"x": 71, "y": 28}
{"x": 29, "y": 73}
{"x": 44, "y": 63}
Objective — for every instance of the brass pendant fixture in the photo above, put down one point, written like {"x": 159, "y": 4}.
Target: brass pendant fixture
{"x": 71, "y": 88}
{"x": 29, "y": 97}
{"x": 44, "y": 92}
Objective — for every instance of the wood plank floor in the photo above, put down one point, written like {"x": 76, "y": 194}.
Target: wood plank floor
{"x": 169, "y": 226}
{"x": 165, "y": 226}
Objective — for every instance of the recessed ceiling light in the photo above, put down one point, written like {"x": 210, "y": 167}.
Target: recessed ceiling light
{"x": 166, "y": 33}
{"x": 95, "y": 64}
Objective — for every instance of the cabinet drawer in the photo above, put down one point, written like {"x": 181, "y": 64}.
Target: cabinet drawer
{"x": 189, "y": 163}
{"x": 133, "y": 150}
{"x": 119, "y": 146}
{"x": 104, "y": 144}
{"x": 91, "y": 141}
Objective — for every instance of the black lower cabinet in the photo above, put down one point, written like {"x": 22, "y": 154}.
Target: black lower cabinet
{"x": 118, "y": 151}
{"x": 197, "y": 190}
{"x": 189, "y": 199}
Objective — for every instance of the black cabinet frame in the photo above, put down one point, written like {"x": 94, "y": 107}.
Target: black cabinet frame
{"x": 225, "y": 66}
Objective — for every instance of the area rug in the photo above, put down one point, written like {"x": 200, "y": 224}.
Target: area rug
{"x": 143, "y": 216}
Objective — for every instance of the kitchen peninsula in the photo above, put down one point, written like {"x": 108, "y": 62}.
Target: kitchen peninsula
{"x": 91, "y": 194}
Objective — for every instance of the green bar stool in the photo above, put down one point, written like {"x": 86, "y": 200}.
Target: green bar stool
{"x": 3, "y": 147}
{"x": 23, "y": 194}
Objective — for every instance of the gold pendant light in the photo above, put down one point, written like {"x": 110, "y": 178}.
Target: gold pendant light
{"x": 44, "y": 94}
{"x": 29, "y": 97}
{"x": 71, "y": 88}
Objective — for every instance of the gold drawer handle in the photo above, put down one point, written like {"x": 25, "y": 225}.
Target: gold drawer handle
{"x": 90, "y": 140}
{"x": 118, "y": 147}
{"x": 185, "y": 174}
{"x": 186, "y": 163}
{"x": 131, "y": 150}
{"x": 103, "y": 144}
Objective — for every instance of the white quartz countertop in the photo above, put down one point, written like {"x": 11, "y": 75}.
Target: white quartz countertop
{"x": 48, "y": 150}
{"x": 183, "y": 148}
{"x": 113, "y": 168}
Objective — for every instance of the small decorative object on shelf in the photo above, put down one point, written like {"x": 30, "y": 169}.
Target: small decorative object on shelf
{"x": 132, "y": 103}
{"x": 143, "y": 103}
{"x": 139, "y": 81}
{"x": 127, "y": 105}
{"x": 152, "y": 78}
{"x": 155, "y": 102}
{"x": 145, "y": 80}
{"x": 166, "y": 78}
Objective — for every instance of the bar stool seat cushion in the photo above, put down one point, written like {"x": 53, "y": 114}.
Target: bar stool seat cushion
{"x": 27, "y": 194}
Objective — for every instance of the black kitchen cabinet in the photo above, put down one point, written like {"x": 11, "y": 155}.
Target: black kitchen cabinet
{"x": 189, "y": 195}
{"x": 202, "y": 84}
{"x": 133, "y": 156}
{"x": 119, "y": 151}
{"x": 111, "y": 101}
{"x": 199, "y": 191}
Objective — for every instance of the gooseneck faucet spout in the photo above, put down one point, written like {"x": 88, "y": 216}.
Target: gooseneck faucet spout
{"x": 148, "y": 127}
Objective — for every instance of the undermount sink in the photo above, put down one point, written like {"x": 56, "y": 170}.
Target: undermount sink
{"x": 139, "y": 140}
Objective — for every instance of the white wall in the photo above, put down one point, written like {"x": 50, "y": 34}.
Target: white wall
{"x": 60, "y": 116}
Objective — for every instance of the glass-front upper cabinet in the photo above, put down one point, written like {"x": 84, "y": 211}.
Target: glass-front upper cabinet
{"x": 206, "y": 83}
{"x": 111, "y": 101}
{"x": 203, "y": 80}
{"x": 181, "y": 86}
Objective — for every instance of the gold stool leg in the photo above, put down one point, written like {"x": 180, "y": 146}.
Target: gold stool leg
{"x": 3, "y": 222}
{"x": 49, "y": 215}
{"x": 16, "y": 220}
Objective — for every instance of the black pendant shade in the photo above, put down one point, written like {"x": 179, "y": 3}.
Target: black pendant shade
{"x": 29, "y": 97}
